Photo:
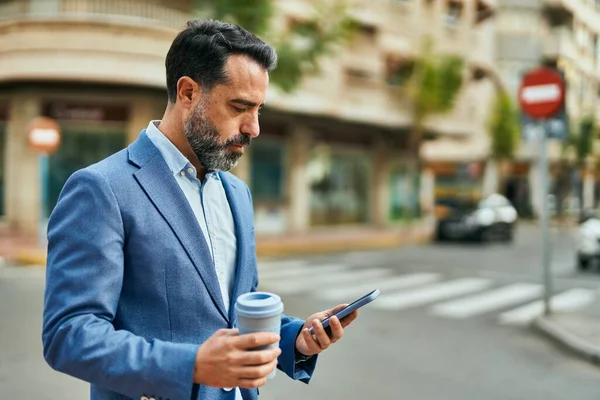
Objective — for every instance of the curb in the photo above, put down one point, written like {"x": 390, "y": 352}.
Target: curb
{"x": 274, "y": 249}
{"x": 567, "y": 340}
{"x": 30, "y": 258}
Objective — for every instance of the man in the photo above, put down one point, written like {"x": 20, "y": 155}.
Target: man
{"x": 149, "y": 248}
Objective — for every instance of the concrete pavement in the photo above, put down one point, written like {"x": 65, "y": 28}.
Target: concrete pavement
{"x": 578, "y": 332}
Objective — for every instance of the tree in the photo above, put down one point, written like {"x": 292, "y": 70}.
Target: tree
{"x": 504, "y": 129}
{"x": 431, "y": 88}
{"x": 300, "y": 45}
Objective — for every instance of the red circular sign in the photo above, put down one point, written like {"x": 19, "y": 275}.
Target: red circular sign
{"x": 542, "y": 93}
{"x": 44, "y": 135}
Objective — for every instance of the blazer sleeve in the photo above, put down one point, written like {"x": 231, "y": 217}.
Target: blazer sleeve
{"x": 84, "y": 276}
{"x": 290, "y": 329}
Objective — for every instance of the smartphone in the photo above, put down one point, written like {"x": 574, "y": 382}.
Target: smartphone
{"x": 366, "y": 299}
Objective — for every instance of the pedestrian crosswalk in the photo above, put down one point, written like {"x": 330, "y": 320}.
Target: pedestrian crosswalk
{"x": 515, "y": 303}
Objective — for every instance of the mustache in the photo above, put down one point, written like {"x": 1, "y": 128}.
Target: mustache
{"x": 241, "y": 140}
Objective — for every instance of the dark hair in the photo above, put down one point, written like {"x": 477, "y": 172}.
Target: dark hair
{"x": 201, "y": 51}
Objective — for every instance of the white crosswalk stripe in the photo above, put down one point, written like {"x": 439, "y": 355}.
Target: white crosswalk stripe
{"x": 312, "y": 282}
{"x": 458, "y": 299}
{"x": 350, "y": 292}
{"x": 488, "y": 301}
{"x": 431, "y": 293}
{"x": 568, "y": 301}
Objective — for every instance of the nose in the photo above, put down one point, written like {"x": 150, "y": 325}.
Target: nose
{"x": 251, "y": 127}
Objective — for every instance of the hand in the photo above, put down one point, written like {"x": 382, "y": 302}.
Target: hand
{"x": 309, "y": 345}
{"x": 225, "y": 359}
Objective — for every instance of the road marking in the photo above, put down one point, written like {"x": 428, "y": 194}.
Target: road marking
{"x": 489, "y": 301}
{"x": 290, "y": 272}
{"x": 315, "y": 281}
{"x": 567, "y": 301}
{"x": 431, "y": 293}
{"x": 349, "y": 293}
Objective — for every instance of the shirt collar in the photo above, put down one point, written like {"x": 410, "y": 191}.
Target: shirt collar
{"x": 175, "y": 160}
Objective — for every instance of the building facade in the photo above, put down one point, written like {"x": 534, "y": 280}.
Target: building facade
{"x": 563, "y": 34}
{"x": 331, "y": 154}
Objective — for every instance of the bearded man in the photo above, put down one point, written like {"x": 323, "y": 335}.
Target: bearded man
{"x": 149, "y": 249}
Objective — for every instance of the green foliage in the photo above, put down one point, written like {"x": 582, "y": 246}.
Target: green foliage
{"x": 504, "y": 127}
{"x": 253, "y": 15}
{"x": 434, "y": 83}
{"x": 584, "y": 140}
{"x": 300, "y": 47}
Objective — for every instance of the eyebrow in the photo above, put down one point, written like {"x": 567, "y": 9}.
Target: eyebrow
{"x": 246, "y": 103}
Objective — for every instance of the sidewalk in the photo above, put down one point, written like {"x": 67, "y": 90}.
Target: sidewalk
{"x": 26, "y": 251}
{"x": 578, "y": 332}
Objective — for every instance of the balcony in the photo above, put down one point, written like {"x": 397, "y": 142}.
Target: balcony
{"x": 115, "y": 11}
{"x": 103, "y": 41}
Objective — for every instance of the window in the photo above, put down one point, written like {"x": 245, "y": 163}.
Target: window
{"x": 453, "y": 13}
{"x": 267, "y": 170}
{"x": 339, "y": 186}
{"x": 398, "y": 71}
{"x": 80, "y": 146}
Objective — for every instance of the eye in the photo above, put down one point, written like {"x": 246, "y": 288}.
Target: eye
{"x": 237, "y": 109}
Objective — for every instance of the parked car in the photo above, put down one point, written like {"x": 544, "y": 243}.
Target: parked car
{"x": 493, "y": 217}
{"x": 587, "y": 239}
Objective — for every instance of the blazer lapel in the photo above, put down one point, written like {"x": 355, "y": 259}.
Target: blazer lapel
{"x": 242, "y": 218}
{"x": 155, "y": 177}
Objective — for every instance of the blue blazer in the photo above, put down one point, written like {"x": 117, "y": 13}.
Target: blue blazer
{"x": 131, "y": 290}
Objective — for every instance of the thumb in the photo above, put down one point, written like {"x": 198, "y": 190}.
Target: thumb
{"x": 336, "y": 309}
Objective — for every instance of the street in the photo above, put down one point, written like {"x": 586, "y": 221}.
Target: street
{"x": 451, "y": 323}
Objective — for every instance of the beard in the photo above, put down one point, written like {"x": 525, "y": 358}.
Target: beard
{"x": 203, "y": 137}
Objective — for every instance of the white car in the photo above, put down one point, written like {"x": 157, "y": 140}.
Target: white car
{"x": 587, "y": 240}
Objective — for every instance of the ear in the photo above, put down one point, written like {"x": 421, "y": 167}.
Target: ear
{"x": 187, "y": 91}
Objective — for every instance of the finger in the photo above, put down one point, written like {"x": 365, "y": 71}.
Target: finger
{"x": 337, "y": 308}
{"x": 252, "y": 383}
{"x": 311, "y": 343}
{"x": 321, "y": 335}
{"x": 256, "y": 371}
{"x": 257, "y": 339}
{"x": 227, "y": 332}
{"x": 258, "y": 357}
{"x": 347, "y": 320}
{"x": 337, "y": 331}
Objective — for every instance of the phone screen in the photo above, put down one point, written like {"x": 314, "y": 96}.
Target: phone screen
{"x": 341, "y": 314}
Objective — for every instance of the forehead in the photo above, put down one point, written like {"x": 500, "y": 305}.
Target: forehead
{"x": 246, "y": 79}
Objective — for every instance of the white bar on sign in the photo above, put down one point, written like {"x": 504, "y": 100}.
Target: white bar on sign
{"x": 541, "y": 93}
{"x": 431, "y": 293}
{"x": 489, "y": 301}
{"x": 568, "y": 301}
{"x": 384, "y": 284}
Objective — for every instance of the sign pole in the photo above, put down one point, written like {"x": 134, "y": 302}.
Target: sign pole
{"x": 545, "y": 217}
{"x": 44, "y": 172}
{"x": 541, "y": 96}
{"x": 44, "y": 137}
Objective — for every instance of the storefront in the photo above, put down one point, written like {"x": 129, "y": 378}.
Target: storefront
{"x": 404, "y": 193}
{"x": 339, "y": 179}
{"x": 517, "y": 188}
{"x": 91, "y": 131}
{"x": 457, "y": 181}
{"x": 95, "y": 121}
